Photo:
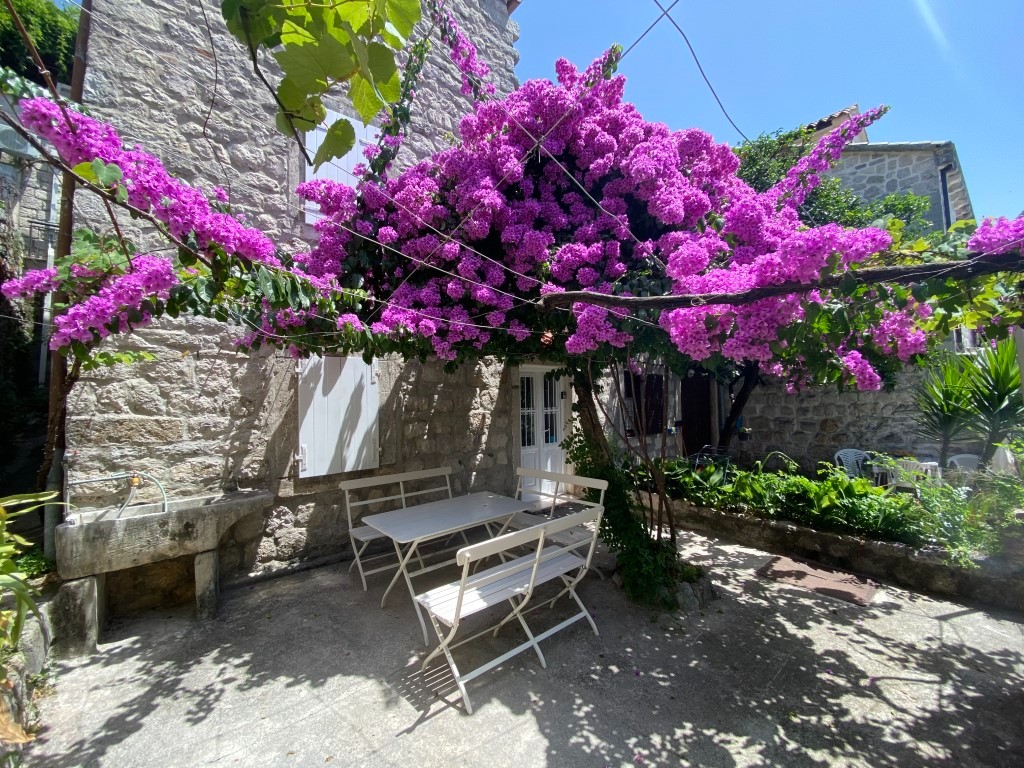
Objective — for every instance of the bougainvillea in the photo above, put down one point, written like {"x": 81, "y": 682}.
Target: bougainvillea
{"x": 563, "y": 186}
{"x": 555, "y": 187}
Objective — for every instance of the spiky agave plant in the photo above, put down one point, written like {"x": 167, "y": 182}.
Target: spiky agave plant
{"x": 995, "y": 405}
{"x": 943, "y": 401}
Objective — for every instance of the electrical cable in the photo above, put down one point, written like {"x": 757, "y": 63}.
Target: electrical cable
{"x": 696, "y": 60}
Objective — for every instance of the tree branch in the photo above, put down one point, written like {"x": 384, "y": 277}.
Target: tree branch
{"x": 254, "y": 57}
{"x": 904, "y": 274}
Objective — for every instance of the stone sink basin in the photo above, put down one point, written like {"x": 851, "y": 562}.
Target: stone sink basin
{"x": 99, "y": 541}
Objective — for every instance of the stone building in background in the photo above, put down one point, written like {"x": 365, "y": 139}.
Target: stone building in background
{"x": 29, "y": 197}
{"x": 205, "y": 419}
{"x": 811, "y": 426}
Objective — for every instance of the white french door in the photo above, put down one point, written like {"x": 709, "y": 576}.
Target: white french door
{"x": 544, "y": 407}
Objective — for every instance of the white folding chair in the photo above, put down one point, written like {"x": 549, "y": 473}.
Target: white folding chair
{"x": 967, "y": 462}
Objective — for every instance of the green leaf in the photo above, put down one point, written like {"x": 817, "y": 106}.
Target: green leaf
{"x": 312, "y": 65}
{"x": 106, "y": 175}
{"x": 86, "y": 171}
{"x": 385, "y": 73}
{"x": 403, "y": 15}
{"x": 251, "y": 21}
{"x": 338, "y": 141}
{"x": 391, "y": 38}
{"x": 365, "y": 99}
{"x": 305, "y": 110}
{"x": 186, "y": 257}
{"x": 357, "y": 15}
{"x": 347, "y": 36}
{"x": 266, "y": 284}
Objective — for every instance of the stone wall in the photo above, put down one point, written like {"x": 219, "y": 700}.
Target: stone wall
{"x": 28, "y": 215}
{"x": 203, "y": 418}
{"x": 811, "y": 426}
{"x": 873, "y": 171}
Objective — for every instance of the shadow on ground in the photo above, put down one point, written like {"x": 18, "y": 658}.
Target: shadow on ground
{"x": 309, "y": 670}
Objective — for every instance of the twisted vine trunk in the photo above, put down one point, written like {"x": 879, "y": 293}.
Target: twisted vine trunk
{"x": 590, "y": 421}
{"x": 751, "y": 376}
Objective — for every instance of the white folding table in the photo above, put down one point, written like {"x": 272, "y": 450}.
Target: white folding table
{"x": 413, "y": 526}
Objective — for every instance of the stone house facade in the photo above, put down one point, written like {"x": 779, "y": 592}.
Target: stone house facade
{"x": 204, "y": 418}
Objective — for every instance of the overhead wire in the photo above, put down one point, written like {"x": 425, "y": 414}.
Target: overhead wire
{"x": 538, "y": 143}
{"x": 700, "y": 68}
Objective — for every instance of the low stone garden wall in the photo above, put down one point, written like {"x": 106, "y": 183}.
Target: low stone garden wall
{"x": 997, "y": 581}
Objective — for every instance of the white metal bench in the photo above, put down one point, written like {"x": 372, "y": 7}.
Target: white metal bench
{"x": 513, "y": 581}
{"x": 362, "y": 535}
{"x": 550, "y": 499}
{"x": 561, "y": 493}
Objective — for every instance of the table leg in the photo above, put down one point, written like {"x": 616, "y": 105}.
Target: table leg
{"x": 403, "y": 570}
{"x": 403, "y": 561}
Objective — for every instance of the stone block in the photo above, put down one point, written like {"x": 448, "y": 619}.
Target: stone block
{"x": 248, "y": 528}
{"x": 280, "y": 517}
{"x": 109, "y": 430}
{"x": 207, "y": 572}
{"x": 230, "y": 557}
{"x": 304, "y": 513}
{"x": 290, "y": 543}
{"x": 77, "y": 615}
{"x": 266, "y": 550}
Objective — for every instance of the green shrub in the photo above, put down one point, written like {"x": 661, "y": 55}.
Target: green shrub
{"x": 12, "y": 580}
{"x": 52, "y": 28}
{"x": 34, "y": 563}
{"x": 938, "y": 515}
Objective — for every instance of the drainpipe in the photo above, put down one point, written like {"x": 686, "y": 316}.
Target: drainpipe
{"x": 58, "y": 363}
{"x": 52, "y": 215}
{"x": 947, "y": 210}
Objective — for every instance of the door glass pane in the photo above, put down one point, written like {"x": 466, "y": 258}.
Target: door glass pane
{"x": 550, "y": 411}
{"x": 527, "y": 412}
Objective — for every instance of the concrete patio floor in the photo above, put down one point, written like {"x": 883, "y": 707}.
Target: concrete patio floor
{"x": 308, "y": 670}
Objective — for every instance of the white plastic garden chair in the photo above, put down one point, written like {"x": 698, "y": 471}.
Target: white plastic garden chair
{"x": 965, "y": 461}
{"x": 852, "y": 461}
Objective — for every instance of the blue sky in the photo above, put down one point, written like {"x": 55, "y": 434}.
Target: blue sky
{"x": 950, "y": 70}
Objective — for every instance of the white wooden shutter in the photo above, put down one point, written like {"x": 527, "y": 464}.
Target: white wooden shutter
{"x": 342, "y": 169}
{"x": 338, "y": 416}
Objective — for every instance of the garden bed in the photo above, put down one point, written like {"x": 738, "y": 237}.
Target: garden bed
{"x": 995, "y": 581}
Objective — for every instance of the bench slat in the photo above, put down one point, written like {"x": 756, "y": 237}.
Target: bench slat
{"x": 365, "y": 533}
{"x": 442, "y": 601}
{"x": 402, "y": 477}
{"x": 378, "y": 500}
